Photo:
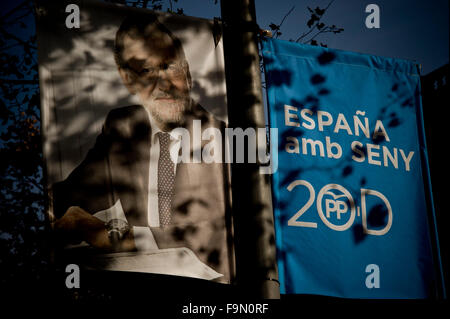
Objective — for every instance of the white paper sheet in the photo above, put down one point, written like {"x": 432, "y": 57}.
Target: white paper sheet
{"x": 171, "y": 261}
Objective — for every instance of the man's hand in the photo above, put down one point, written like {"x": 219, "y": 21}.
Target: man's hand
{"x": 77, "y": 225}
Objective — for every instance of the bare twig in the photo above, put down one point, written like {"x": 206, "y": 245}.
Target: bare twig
{"x": 315, "y": 25}
{"x": 287, "y": 14}
{"x": 5, "y": 16}
{"x": 324, "y": 30}
{"x": 24, "y": 82}
{"x": 12, "y": 36}
{"x": 282, "y": 21}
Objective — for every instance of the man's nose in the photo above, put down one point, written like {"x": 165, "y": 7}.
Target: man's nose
{"x": 164, "y": 80}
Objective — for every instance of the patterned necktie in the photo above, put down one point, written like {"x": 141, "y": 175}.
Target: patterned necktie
{"x": 166, "y": 179}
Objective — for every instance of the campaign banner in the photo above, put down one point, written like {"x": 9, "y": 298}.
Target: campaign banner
{"x": 350, "y": 193}
{"x": 123, "y": 93}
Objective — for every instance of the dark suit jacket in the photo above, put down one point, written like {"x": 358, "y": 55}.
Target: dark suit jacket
{"x": 117, "y": 167}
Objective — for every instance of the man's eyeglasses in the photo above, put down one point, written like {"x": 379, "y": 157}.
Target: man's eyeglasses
{"x": 172, "y": 69}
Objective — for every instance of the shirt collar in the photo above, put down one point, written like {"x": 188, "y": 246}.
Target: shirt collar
{"x": 155, "y": 129}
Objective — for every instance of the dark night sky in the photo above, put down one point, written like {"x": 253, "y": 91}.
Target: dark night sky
{"x": 410, "y": 29}
{"x": 416, "y": 30}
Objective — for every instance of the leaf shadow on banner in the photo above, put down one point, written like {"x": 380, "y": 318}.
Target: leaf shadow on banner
{"x": 398, "y": 99}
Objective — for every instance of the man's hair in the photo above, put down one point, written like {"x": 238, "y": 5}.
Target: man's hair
{"x": 137, "y": 26}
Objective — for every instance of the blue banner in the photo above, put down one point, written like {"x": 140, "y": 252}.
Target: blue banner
{"x": 350, "y": 199}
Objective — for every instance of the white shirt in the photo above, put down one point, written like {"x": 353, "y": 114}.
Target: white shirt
{"x": 153, "y": 209}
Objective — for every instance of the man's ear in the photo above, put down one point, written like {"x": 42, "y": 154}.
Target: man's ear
{"x": 188, "y": 76}
{"x": 127, "y": 80}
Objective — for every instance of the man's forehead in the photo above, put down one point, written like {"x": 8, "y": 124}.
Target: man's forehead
{"x": 154, "y": 46}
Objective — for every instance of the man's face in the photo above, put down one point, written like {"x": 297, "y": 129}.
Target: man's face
{"x": 159, "y": 75}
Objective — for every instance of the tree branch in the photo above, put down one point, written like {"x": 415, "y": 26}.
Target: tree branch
{"x": 324, "y": 30}
{"x": 287, "y": 14}
{"x": 12, "y": 36}
{"x": 315, "y": 25}
{"x": 5, "y": 16}
{"x": 14, "y": 81}
{"x": 277, "y": 32}
{"x": 20, "y": 17}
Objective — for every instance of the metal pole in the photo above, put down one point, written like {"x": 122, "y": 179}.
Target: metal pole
{"x": 256, "y": 272}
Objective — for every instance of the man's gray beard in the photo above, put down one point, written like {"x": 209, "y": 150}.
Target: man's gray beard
{"x": 174, "y": 119}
